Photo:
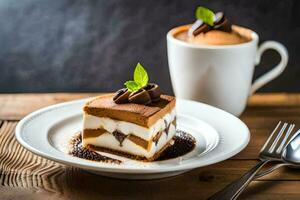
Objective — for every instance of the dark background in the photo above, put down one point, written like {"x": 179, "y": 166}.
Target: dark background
{"x": 94, "y": 45}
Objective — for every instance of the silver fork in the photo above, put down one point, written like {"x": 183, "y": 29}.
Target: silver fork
{"x": 271, "y": 151}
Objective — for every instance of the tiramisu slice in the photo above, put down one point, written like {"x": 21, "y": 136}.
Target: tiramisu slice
{"x": 137, "y": 123}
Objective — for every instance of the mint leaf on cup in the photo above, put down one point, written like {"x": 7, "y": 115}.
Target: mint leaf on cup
{"x": 140, "y": 79}
{"x": 206, "y": 15}
{"x": 132, "y": 86}
{"x": 140, "y": 75}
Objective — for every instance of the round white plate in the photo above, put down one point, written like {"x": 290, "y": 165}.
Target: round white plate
{"x": 219, "y": 135}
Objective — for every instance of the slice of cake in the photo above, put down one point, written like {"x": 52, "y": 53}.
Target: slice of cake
{"x": 136, "y": 122}
{"x": 133, "y": 130}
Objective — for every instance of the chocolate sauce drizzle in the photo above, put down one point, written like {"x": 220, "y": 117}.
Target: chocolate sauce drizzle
{"x": 183, "y": 144}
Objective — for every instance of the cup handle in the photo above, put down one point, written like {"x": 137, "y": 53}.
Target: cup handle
{"x": 276, "y": 71}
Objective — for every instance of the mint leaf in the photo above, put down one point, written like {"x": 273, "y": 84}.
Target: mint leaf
{"x": 132, "y": 86}
{"x": 206, "y": 15}
{"x": 140, "y": 79}
{"x": 140, "y": 75}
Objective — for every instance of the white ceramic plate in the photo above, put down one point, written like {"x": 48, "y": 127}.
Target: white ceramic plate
{"x": 219, "y": 135}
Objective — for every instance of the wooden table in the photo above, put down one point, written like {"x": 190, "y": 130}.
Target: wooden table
{"x": 26, "y": 176}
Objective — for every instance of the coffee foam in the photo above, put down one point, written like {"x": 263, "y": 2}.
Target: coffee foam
{"x": 214, "y": 37}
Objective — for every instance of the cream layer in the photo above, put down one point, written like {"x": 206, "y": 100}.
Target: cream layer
{"x": 146, "y": 133}
{"x": 107, "y": 140}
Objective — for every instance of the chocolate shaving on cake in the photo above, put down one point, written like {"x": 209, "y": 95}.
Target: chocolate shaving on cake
{"x": 154, "y": 91}
{"x": 146, "y": 95}
{"x": 121, "y": 96}
{"x": 140, "y": 97}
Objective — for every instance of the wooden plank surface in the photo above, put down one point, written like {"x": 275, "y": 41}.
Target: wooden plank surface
{"x": 16, "y": 106}
{"x": 27, "y": 176}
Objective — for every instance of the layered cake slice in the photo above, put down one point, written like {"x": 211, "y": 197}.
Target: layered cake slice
{"x": 135, "y": 122}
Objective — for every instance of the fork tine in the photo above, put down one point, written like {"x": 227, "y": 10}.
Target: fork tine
{"x": 270, "y": 137}
{"x": 272, "y": 148}
{"x": 280, "y": 148}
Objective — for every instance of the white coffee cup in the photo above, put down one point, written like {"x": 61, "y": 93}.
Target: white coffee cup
{"x": 220, "y": 75}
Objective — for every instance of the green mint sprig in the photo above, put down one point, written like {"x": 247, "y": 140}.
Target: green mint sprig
{"x": 206, "y": 15}
{"x": 131, "y": 86}
{"x": 140, "y": 79}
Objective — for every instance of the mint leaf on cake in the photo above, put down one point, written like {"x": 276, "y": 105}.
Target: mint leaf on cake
{"x": 138, "y": 90}
{"x": 132, "y": 86}
{"x": 206, "y": 15}
{"x": 140, "y": 79}
{"x": 140, "y": 75}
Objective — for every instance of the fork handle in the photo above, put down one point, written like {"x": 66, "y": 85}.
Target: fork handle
{"x": 229, "y": 192}
{"x": 268, "y": 171}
